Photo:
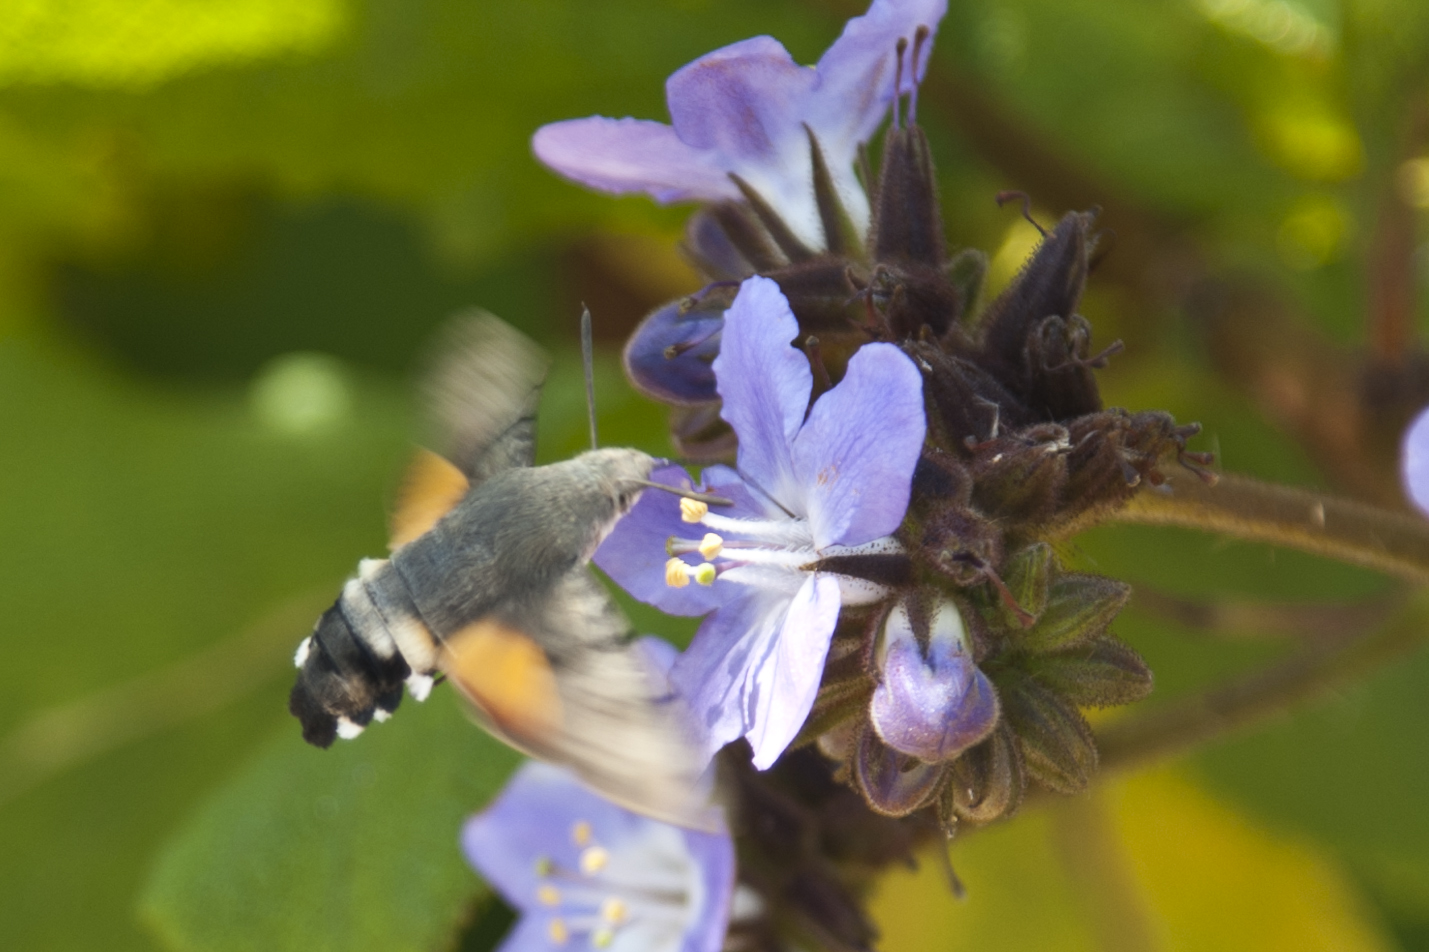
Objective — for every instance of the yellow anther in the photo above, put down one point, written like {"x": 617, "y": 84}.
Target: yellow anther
{"x": 692, "y": 510}
{"x": 614, "y": 910}
{"x": 580, "y": 833}
{"x": 711, "y": 545}
{"x": 705, "y": 574}
{"x": 602, "y": 937}
{"x": 677, "y": 573}
{"x": 558, "y": 932}
{"x": 548, "y": 895}
{"x": 593, "y": 860}
{"x": 544, "y": 866}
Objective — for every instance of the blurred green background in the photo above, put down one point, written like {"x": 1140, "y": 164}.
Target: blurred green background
{"x": 227, "y": 227}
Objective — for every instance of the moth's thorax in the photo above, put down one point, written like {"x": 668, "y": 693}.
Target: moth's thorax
{"x": 514, "y": 535}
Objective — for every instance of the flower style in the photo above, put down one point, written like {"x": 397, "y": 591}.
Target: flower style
{"x": 936, "y": 704}
{"x": 748, "y": 110}
{"x": 1414, "y": 461}
{"x": 582, "y": 869}
{"x": 811, "y": 496}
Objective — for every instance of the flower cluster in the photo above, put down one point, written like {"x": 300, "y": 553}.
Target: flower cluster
{"x": 890, "y": 644}
{"x": 882, "y": 582}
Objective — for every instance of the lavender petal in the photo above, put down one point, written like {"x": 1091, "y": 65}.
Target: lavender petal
{"x": 857, "y": 73}
{"x": 632, "y": 155}
{"x": 743, "y": 101}
{"x": 713, "y": 673}
{"x": 787, "y": 680}
{"x": 765, "y": 385}
{"x": 1414, "y": 462}
{"x": 713, "y": 854}
{"x": 855, "y": 455}
{"x": 634, "y": 555}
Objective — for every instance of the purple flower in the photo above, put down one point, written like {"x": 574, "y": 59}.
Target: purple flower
{"x": 584, "y": 871}
{"x": 807, "y": 490}
{"x": 936, "y": 704}
{"x": 744, "y": 109}
{"x": 1414, "y": 461}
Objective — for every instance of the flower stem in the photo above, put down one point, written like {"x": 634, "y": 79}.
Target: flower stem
{"x": 1353, "y": 532}
{"x": 1184, "y": 723}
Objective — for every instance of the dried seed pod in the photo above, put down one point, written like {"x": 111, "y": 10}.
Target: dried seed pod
{"x": 893, "y": 784}
{"x": 908, "y": 223}
{"x": 1049, "y": 284}
{"x": 986, "y": 783}
{"x": 700, "y": 433}
{"x": 1020, "y": 477}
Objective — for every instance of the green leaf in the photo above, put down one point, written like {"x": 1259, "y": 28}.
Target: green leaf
{"x": 351, "y": 848}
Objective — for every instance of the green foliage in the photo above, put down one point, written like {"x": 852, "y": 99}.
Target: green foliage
{"x": 352, "y": 849}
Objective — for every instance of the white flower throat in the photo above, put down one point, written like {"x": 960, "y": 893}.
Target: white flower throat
{"x": 765, "y": 553}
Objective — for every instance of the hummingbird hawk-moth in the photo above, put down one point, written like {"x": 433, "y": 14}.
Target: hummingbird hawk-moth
{"x": 488, "y": 584}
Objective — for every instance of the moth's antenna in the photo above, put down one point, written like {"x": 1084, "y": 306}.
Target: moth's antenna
{"x": 588, "y": 360}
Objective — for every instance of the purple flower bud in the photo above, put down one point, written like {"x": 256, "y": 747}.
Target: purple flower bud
{"x": 932, "y": 705}
{"x": 670, "y": 355}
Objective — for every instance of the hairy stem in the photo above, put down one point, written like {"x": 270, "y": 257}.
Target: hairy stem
{"x": 1390, "y": 542}
{"x": 1353, "y": 532}
{"x": 1185, "y": 723}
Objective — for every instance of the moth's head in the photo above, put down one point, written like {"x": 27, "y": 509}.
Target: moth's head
{"x": 619, "y": 475}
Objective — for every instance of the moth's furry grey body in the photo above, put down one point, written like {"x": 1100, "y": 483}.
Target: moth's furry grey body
{"x": 513, "y": 538}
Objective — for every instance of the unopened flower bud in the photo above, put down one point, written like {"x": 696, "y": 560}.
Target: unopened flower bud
{"x": 931, "y": 706}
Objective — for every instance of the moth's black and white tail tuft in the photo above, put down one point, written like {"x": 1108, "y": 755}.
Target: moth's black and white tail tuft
{"x": 343, "y": 685}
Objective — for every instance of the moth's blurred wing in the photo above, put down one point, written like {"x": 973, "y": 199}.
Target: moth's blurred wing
{"x": 482, "y": 392}
{"x": 568, "y": 687}
{"x": 431, "y": 488}
{"x": 481, "y": 395}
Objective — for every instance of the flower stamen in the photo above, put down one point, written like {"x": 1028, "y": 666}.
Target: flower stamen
{"x": 711, "y": 545}
{"x": 593, "y": 860}
{"x": 677, "y": 573}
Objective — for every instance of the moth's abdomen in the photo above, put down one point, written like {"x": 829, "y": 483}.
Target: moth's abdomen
{"x": 362, "y": 651}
